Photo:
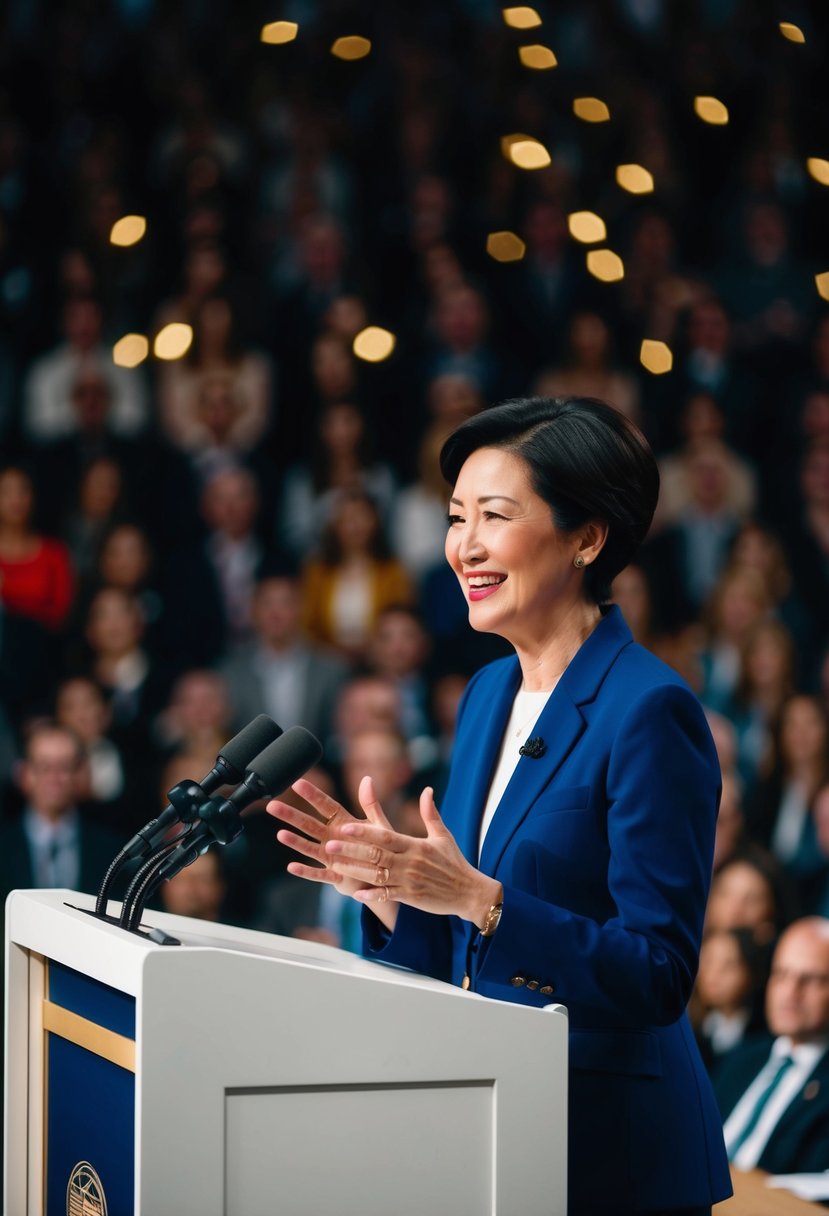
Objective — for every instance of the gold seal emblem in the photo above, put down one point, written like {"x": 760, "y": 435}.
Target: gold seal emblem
{"x": 84, "y": 1193}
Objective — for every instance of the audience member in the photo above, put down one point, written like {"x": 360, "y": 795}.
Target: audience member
{"x": 774, "y": 1092}
{"x": 48, "y": 413}
{"x": 279, "y": 671}
{"x": 726, "y": 1005}
{"x": 53, "y": 844}
{"x": 353, "y": 579}
{"x": 36, "y": 578}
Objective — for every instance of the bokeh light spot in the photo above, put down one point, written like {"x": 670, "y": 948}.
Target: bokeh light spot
{"x": 130, "y": 350}
{"x": 521, "y": 17}
{"x": 635, "y": 179}
{"x": 656, "y": 357}
{"x": 277, "y": 32}
{"x": 591, "y": 109}
{"x": 711, "y": 110}
{"x": 505, "y": 247}
{"x": 605, "y": 265}
{"x": 173, "y": 341}
{"x": 792, "y": 32}
{"x": 818, "y": 169}
{"x": 525, "y": 152}
{"x": 128, "y": 230}
{"x": 586, "y": 226}
{"x": 353, "y": 46}
{"x": 374, "y": 344}
{"x": 539, "y": 58}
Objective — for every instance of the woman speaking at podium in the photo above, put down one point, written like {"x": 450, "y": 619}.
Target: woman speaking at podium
{"x": 572, "y": 854}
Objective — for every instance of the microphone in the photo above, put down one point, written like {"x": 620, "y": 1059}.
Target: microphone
{"x": 533, "y": 748}
{"x": 272, "y": 771}
{"x": 188, "y": 797}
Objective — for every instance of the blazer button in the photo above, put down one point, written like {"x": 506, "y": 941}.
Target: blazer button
{"x": 532, "y": 985}
{"x": 547, "y": 990}
{"x": 518, "y": 981}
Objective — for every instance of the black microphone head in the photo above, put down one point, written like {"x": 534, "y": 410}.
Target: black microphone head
{"x": 286, "y": 759}
{"x": 243, "y": 748}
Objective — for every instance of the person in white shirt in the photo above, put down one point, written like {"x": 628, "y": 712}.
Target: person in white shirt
{"x": 774, "y": 1095}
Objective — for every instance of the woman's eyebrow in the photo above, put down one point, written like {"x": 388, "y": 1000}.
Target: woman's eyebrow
{"x": 487, "y": 498}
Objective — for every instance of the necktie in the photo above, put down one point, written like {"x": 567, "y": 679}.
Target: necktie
{"x": 760, "y": 1105}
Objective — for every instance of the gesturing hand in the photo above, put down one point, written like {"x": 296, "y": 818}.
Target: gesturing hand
{"x": 315, "y": 835}
{"x": 431, "y": 874}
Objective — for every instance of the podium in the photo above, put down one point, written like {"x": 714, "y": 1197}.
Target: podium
{"x": 244, "y": 1074}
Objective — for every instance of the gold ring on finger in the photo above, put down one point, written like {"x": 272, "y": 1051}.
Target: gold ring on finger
{"x": 382, "y": 876}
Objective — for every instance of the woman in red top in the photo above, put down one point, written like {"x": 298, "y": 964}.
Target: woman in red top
{"x": 35, "y": 571}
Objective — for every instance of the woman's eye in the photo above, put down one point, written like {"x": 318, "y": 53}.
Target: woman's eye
{"x": 493, "y": 515}
{"x": 454, "y": 519}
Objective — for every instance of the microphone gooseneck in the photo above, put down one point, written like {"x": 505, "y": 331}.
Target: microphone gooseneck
{"x": 219, "y": 820}
{"x": 188, "y": 797}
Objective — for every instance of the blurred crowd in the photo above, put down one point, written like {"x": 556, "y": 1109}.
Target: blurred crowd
{"x": 258, "y": 526}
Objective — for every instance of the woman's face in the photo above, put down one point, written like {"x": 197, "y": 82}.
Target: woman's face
{"x": 767, "y": 660}
{"x": 81, "y": 706}
{"x": 803, "y": 736}
{"x": 100, "y": 489}
{"x": 341, "y": 429}
{"x": 724, "y": 980}
{"x": 16, "y": 499}
{"x": 511, "y": 561}
{"x": 356, "y": 525}
{"x": 125, "y": 559}
{"x": 114, "y": 626}
{"x": 740, "y": 899}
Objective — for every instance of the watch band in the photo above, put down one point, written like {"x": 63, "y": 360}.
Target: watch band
{"x": 491, "y": 920}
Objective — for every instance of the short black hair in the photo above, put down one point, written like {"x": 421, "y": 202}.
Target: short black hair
{"x": 585, "y": 459}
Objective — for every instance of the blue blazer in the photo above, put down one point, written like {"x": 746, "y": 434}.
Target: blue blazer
{"x": 604, "y": 847}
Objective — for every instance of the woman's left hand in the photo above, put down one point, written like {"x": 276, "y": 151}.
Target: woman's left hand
{"x": 428, "y": 873}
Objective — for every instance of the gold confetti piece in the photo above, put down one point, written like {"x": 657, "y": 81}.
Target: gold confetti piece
{"x": 586, "y": 226}
{"x": 635, "y": 179}
{"x": 374, "y": 344}
{"x": 538, "y": 57}
{"x": 711, "y": 110}
{"x": 505, "y": 247}
{"x": 130, "y": 350}
{"x": 277, "y": 32}
{"x": 606, "y": 265}
{"x": 791, "y": 31}
{"x": 173, "y": 341}
{"x": 525, "y": 152}
{"x": 656, "y": 357}
{"x": 818, "y": 169}
{"x": 128, "y": 230}
{"x": 351, "y": 47}
{"x": 822, "y": 283}
{"x": 521, "y": 17}
{"x": 590, "y": 109}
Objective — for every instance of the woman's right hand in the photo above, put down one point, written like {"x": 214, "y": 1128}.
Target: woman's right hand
{"x": 315, "y": 834}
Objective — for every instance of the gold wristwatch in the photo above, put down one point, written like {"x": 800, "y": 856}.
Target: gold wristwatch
{"x": 491, "y": 920}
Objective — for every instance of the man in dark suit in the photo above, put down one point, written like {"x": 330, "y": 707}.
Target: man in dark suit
{"x": 279, "y": 672}
{"x": 774, "y": 1093}
{"x": 51, "y": 844}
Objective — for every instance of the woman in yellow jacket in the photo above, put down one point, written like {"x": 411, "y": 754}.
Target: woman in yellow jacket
{"x": 353, "y": 578}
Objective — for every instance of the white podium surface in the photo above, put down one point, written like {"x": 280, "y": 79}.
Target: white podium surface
{"x": 276, "y": 1076}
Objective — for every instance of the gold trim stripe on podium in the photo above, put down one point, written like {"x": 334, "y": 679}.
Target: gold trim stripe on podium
{"x": 105, "y": 1043}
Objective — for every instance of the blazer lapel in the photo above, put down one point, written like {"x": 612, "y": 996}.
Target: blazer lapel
{"x": 560, "y": 726}
{"x": 484, "y": 729}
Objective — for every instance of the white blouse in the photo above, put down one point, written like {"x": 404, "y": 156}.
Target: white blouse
{"x": 526, "y": 710}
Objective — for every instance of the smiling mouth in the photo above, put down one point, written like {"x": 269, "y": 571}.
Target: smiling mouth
{"x": 485, "y": 586}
